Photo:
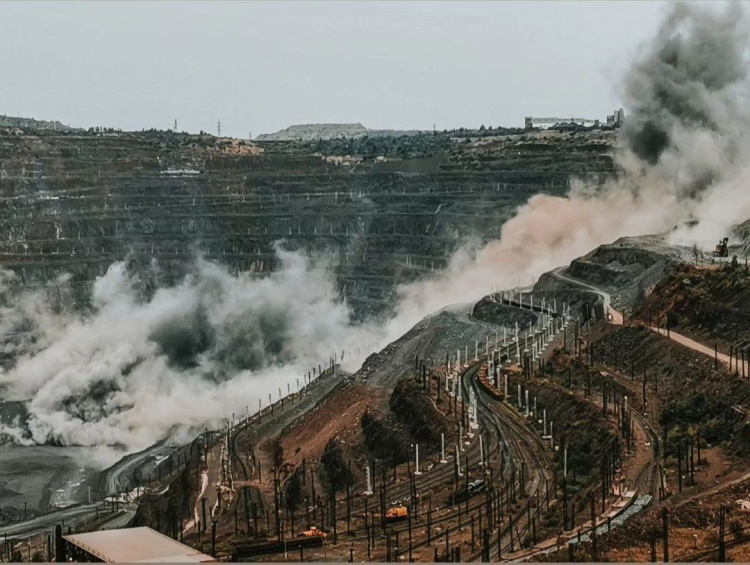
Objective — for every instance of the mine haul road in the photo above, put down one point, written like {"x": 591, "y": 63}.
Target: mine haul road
{"x": 617, "y": 319}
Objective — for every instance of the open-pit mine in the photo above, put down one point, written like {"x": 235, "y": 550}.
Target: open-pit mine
{"x": 336, "y": 343}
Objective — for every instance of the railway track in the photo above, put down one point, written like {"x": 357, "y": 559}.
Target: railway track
{"x": 528, "y": 447}
{"x": 647, "y": 480}
{"x": 502, "y": 425}
{"x": 515, "y": 450}
{"x": 447, "y": 471}
{"x": 521, "y": 443}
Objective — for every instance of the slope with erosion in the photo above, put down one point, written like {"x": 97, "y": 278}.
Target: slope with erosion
{"x": 711, "y": 305}
{"x": 703, "y": 431}
{"x": 372, "y": 389}
{"x": 693, "y": 390}
{"x": 623, "y": 271}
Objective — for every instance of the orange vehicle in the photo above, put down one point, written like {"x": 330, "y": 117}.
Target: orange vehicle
{"x": 397, "y": 513}
{"x": 314, "y": 532}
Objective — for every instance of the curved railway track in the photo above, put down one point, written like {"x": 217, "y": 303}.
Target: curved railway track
{"x": 522, "y": 446}
{"x": 528, "y": 447}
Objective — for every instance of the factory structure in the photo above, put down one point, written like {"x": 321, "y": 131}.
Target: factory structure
{"x": 614, "y": 120}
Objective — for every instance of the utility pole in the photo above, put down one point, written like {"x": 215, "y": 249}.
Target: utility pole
{"x": 219, "y": 128}
{"x": 722, "y": 533}
{"x": 665, "y": 533}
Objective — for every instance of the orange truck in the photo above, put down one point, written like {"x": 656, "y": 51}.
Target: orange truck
{"x": 314, "y": 532}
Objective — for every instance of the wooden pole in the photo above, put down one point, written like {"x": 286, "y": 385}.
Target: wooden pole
{"x": 665, "y": 533}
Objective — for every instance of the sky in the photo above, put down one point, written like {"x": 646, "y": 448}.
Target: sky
{"x": 262, "y": 66}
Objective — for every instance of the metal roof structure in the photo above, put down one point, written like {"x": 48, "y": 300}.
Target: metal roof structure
{"x": 135, "y": 545}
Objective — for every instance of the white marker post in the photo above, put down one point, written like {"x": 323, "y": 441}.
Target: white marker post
{"x": 417, "y": 471}
{"x": 368, "y": 492}
{"x": 551, "y": 437}
{"x": 442, "y": 448}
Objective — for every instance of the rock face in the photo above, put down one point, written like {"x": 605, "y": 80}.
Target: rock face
{"x": 311, "y": 132}
{"x": 626, "y": 269}
{"x": 307, "y": 132}
{"x": 32, "y": 124}
{"x": 75, "y": 202}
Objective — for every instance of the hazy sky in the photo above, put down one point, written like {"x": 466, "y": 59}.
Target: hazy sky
{"x": 261, "y": 66}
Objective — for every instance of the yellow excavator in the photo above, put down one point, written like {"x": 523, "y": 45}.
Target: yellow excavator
{"x": 721, "y": 249}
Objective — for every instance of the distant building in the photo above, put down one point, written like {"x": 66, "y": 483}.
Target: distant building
{"x": 614, "y": 120}
{"x": 531, "y": 122}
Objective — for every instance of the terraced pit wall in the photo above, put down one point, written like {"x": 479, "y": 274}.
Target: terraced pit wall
{"x": 74, "y": 203}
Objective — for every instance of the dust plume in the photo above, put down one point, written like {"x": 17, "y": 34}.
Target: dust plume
{"x": 133, "y": 370}
{"x": 681, "y": 164}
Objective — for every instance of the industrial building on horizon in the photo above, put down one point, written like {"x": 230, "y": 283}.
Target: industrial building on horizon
{"x": 614, "y": 120}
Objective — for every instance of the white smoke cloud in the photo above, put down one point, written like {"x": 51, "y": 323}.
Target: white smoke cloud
{"x": 132, "y": 371}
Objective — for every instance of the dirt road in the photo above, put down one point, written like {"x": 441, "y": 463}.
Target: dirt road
{"x": 691, "y": 344}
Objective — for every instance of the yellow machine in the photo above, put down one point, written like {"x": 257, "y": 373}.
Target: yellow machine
{"x": 397, "y": 513}
{"x": 314, "y": 532}
{"x": 721, "y": 249}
